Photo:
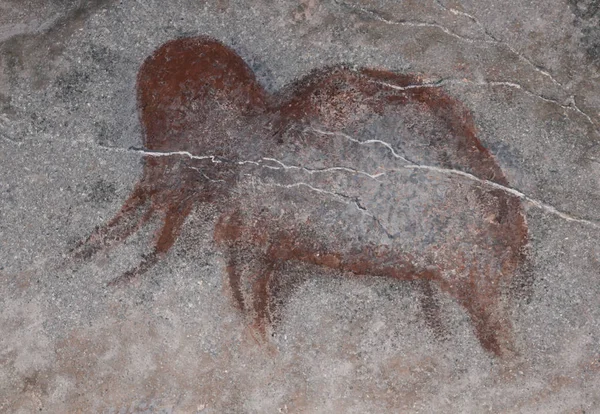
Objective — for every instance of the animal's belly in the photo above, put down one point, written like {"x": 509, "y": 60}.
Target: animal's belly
{"x": 397, "y": 182}
{"x": 436, "y": 220}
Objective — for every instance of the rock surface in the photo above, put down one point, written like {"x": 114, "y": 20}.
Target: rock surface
{"x": 342, "y": 185}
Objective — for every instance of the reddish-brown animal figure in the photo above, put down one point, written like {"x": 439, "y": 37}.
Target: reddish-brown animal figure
{"x": 306, "y": 176}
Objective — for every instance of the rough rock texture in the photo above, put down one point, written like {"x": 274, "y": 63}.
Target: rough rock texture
{"x": 391, "y": 208}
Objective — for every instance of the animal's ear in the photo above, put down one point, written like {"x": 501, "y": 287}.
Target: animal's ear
{"x": 191, "y": 75}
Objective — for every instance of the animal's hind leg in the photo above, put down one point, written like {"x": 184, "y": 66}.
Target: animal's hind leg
{"x": 246, "y": 267}
{"x": 238, "y": 265}
{"x": 262, "y": 300}
{"x": 490, "y": 319}
{"x": 165, "y": 237}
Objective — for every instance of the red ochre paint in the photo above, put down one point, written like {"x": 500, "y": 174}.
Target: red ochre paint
{"x": 197, "y": 95}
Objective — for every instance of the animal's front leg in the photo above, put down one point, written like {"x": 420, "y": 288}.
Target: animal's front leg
{"x": 164, "y": 239}
{"x": 127, "y": 221}
{"x": 249, "y": 276}
{"x": 145, "y": 201}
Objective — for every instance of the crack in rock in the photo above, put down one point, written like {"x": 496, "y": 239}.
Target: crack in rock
{"x": 322, "y": 170}
{"x": 569, "y": 106}
{"x": 409, "y": 165}
{"x": 416, "y": 23}
{"x": 346, "y": 199}
{"x": 494, "y": 39}
{"x": 366, "y": 142}
{"x": 537, "y": 203}
{"x": 413, "y": 23}
{"x": 491, "y": 39}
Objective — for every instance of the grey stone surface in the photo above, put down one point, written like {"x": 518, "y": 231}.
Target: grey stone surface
{"x": 173, "y": 341}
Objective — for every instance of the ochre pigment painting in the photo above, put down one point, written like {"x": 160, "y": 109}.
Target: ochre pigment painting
{"x": 358, "y": 172}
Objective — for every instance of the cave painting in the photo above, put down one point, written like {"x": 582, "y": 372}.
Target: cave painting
{"x": 351, "y": 171}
